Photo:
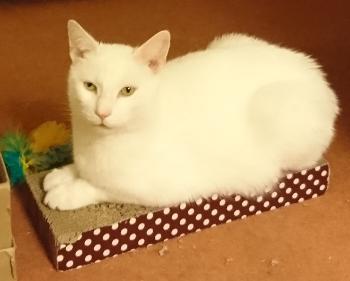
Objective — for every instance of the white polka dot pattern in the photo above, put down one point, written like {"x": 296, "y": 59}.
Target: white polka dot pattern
{"x": 153, "y": 227}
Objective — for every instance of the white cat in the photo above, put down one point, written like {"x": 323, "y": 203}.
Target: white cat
{"x": 227, "y": 119}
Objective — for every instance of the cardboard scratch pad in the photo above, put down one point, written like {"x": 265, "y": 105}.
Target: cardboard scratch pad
{"x": 79, "y": 237}
{"x": 7, "y": 264}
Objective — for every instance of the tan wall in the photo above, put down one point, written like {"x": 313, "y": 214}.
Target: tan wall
{"x": 7, "y": 269}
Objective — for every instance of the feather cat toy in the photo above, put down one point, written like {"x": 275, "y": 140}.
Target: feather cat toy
{"x": 46, "y": 147}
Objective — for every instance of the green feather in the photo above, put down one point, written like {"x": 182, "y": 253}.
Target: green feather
{"x": 54, "y": 157}
{"x": 16, "y": 152}
{"x": 19, "y": 158}
{"x": 15, "y": 142}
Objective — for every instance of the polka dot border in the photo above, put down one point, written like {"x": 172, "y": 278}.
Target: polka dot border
{"x": 153, "y": 227}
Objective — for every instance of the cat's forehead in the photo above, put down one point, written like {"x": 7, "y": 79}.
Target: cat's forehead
{"x": 111, "y": 57}
{"x": 107, "y": 61}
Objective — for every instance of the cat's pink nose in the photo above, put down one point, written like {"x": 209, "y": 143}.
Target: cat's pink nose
{"x": 102, "y": 115}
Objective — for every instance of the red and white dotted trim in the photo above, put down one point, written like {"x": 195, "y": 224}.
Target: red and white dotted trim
{"x": 151, "y": 228}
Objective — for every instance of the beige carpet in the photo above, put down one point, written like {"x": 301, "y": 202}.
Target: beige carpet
{"x": 305, "y": 242}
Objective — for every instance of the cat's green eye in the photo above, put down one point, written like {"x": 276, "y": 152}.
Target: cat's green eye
{"x": 90, "y": 87}
{"x": 127, "y": 91}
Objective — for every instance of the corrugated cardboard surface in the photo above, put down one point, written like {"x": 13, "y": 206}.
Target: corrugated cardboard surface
{"x": 304, "y": 242}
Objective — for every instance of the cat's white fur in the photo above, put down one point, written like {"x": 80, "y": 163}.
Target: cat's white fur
{"x": 227, "y": 119}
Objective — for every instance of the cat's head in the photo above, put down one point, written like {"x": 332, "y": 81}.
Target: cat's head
{"x": 111, "y": 86}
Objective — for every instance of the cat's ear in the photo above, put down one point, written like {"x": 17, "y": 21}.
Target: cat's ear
{"x": 80, "y": 42}
{"x": 155, "y": 50}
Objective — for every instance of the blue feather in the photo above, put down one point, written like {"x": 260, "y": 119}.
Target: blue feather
{"x": 14, "y": 167}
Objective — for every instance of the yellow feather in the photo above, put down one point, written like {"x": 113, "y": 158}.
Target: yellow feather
{"x": 49, "y": 134}
{"x": 26, "y": 163}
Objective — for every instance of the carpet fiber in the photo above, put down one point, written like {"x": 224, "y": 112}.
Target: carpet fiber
{"x": 307, "y": 241}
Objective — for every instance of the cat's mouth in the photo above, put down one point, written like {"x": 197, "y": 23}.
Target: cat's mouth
{"x": 103, "y": 126}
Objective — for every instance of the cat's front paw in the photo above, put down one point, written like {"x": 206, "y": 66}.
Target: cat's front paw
{"x": 60, "y": 197}
{"x": 58, "y": 177}
{"x": 73, "y": 195}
